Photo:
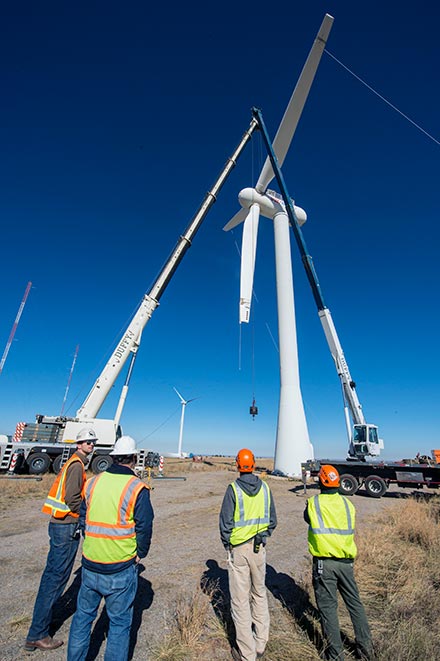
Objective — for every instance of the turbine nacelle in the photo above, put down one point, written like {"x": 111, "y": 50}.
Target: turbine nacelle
{"x": 270, "y": 204}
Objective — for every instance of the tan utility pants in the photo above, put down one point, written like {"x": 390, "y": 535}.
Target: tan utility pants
{"x": 247, "y": 573}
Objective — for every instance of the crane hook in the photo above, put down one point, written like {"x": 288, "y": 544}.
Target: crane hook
{"x": 253, "y": 410}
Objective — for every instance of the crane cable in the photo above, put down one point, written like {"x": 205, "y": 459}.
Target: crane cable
{"x": 431, "y": 137}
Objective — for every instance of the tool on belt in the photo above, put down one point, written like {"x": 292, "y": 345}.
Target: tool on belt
{"x": 257, "y": 543}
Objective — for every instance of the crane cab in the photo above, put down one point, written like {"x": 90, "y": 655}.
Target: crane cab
{"x": 365, "y": 442}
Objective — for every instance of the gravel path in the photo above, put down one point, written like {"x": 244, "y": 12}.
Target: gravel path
{"x": 185, "y": 549}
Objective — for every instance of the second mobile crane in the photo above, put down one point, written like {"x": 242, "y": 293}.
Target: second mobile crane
{"x": 363, "y": 437}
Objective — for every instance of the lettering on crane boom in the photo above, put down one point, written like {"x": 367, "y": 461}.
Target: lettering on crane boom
{"x": 124, "y": 345}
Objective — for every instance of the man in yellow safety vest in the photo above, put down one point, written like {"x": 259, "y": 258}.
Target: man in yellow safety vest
{"x": 247, "y": 519}
{"x": 331, "y": 519}
{"x": 117, "y": 520}
{"x": 62, "y": 504}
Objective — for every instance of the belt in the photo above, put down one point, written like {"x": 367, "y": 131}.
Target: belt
{"x": 344, "y": 560}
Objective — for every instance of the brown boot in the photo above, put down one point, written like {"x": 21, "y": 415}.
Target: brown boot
{"x": 45, "y": 644}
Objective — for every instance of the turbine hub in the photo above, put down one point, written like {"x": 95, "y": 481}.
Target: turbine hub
{"x": 270, "y": 204}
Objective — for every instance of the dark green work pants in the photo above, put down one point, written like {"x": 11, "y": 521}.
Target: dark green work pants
{"x": 338, "y": 575}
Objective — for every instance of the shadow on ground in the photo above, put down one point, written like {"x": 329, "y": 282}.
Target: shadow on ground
{"x": 215, "y": 584}
{"x": 66, "y": 606}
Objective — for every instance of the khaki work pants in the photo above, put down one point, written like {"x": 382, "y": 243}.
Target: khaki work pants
{"x": 249, "y": 608}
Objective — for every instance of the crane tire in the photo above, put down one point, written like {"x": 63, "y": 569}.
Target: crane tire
{"x": 375, "y": 486}
{"x": 100, "y": 463}
{"x": 349, "y": 485}
{"x": 38, "y": 463}
{"x": 56, "y": 464}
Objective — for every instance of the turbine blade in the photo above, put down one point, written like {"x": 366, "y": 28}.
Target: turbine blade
{"x": 248, "y": 252}
{"x": 179, "y": 395}
{"x": 236, "y": 220}
{"x": 296, "y": 104}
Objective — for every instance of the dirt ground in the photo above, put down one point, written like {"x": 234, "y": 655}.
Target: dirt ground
{"x": 185, "y": 550}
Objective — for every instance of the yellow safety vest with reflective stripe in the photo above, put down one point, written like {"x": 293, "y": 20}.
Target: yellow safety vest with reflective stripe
{"x": 110, "y": 535}
{"x": 55, "y": 503}
{"x": 251, "y": 515}
{"x": 331, "y": 528}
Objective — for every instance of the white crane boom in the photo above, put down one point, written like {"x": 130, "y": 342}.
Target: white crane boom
{"x": 131, "y": 337}
{"x": 363, "y": 439}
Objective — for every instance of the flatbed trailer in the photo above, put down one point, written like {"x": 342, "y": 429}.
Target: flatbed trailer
{"x": 376, "y": 477}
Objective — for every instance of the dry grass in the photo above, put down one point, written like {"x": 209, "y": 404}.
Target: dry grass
{"x": 19, "y": 623}
{"x": 399, "y": 580}
{"x": 13, "y": 488}
{"x": 194, "y": 632}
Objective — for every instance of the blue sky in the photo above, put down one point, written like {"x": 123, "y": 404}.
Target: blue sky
{"x": 116, "y": 120}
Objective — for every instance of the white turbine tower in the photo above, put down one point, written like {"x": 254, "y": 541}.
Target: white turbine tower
{"x": 292, "y": 441}
{"x": 184, "y": 402}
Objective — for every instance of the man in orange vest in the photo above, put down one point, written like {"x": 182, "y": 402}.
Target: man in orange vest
{"x": 63, "y": 504}
{"x": 117, "y": 521}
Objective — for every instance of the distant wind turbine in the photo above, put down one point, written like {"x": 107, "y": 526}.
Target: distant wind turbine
{"x": 184, "y": 402}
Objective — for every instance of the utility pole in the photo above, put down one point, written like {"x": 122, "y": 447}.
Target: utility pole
{"x": 14, "y": 327}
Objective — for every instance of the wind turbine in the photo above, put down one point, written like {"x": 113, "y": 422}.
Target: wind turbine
{"x": 292, "y": 441}
{"x": 184, "y": 402}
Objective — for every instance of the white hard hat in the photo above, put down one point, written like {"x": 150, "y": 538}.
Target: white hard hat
{"x": 124, "y": 446}
{"x": 86, "y": 434}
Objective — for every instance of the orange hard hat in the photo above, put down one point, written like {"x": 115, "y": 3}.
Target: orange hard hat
{"x": 328, "y": 476}
{"x": 245, "y": 461}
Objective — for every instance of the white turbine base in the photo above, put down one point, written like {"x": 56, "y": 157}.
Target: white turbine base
{"x": 292, "y": 446}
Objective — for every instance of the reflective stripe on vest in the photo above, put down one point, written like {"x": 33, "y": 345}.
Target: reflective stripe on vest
{"x": 259, "y": 505}
{"x": 110, "y": 535}
{"x": 55, "y": 504}
{"x": 322, "y": 530}
{"x": 331, "y": 529}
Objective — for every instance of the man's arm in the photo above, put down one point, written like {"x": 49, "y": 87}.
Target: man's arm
{"x": 273, "y": 516}
{"x": 82, "y": 516}
{"x": 306, "y": 514}
{"x": 74, "y": 484}
{"x": 226, "y": 518}
{"x": 143, "y": 519}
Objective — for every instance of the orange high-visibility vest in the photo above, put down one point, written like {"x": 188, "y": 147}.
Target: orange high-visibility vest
{"x": 55, "y": 503}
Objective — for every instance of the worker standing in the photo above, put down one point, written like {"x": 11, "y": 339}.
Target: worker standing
{"x": 331, "y": 519}
{"x": 63, "y": 505}
{"x": 117, "y": 521}
{"x": 247, "y": 519}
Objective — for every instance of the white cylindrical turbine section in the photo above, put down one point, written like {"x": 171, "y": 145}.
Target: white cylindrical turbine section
{"x": 292, "y": 443}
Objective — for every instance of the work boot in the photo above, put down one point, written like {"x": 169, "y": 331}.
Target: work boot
{"x": 44, "y": 644}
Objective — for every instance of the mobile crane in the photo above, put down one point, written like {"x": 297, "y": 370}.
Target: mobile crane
{"x": 363, "y": 437}
{"x": 50, "y": 440}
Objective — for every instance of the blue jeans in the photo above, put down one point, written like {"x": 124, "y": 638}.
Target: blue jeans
{"x": 119, "y": 591}
{"x": 62, "y": 551}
